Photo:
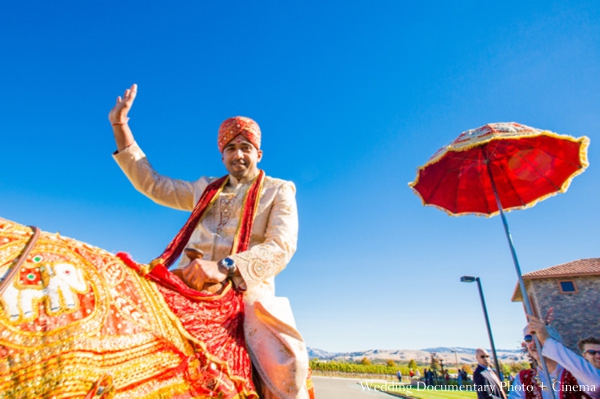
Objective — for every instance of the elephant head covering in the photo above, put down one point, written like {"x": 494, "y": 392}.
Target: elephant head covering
{"x": 238, "y": 125}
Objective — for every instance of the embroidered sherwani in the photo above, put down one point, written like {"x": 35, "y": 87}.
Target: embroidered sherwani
{"x": 277, "y": 349}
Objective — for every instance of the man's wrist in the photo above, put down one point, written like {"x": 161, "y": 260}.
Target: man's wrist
{"x": 119, "y": 121}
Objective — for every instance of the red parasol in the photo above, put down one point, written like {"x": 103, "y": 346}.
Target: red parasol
{"x": 525, "y": 164}
{"x": 501, "y": 167}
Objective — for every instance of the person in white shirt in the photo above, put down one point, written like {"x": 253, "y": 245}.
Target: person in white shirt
{"x": 582, "y": 367}
{"x": 570, "y": 376}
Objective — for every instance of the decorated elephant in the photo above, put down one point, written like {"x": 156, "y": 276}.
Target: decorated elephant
{"x": 77, "y": 321}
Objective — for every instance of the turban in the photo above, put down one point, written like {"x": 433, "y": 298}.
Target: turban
{"x": 238, "y": 125}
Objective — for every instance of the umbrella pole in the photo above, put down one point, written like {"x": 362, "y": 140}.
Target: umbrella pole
{"x": 528, "y": 307}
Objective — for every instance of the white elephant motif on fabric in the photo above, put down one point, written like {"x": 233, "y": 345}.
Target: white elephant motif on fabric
{"x": 59, "y": 293}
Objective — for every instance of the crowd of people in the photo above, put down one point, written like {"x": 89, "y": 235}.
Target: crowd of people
{"x": 572, "y": 375}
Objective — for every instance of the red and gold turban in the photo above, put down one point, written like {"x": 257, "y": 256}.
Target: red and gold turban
{"x": 238, "y": 125}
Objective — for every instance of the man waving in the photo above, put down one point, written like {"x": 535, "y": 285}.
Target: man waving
{"x": 247, "y": 232}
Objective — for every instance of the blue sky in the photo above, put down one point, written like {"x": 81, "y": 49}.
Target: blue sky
{"x": 351, "y": 97}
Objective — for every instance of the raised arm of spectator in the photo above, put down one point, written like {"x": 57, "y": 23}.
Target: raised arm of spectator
{"x": 582, "y": 370}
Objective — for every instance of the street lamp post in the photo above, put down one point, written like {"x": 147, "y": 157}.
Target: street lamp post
{"x": 470, "y": 279}
{"x": 456, "y": 359}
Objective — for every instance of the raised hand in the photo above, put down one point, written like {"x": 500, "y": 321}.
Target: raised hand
{"x": 118, "y": 114}
{"x": 536, "y": 326}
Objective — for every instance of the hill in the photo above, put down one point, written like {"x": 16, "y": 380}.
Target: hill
{"x": 450, "y": 355}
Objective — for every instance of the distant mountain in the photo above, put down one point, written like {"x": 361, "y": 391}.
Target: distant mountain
{"x": 320, "y": 354}
{"x": 449, "y": 355}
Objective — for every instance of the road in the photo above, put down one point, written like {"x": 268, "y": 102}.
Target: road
{"x": 344, "y": 388}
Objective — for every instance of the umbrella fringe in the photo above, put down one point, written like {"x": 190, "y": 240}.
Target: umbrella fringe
{"x": 583, "y": 149}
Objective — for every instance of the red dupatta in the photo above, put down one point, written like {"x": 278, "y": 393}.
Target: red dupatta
{"x": 158, "y": 271}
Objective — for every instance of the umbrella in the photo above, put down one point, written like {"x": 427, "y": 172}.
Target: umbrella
{"x": 500, "y": 167}
{"x": 525, "y": 164}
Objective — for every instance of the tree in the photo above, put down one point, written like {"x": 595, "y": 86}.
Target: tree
{"x": 412, "y": 364}
{"x": 435, "y": 361}
{"x": 515, "y": 367}
{"x": 365, "y": 361}
{"x": 390, "y": 363}
{"x": 505, "y": 369}
{"x": 468, "y": 369}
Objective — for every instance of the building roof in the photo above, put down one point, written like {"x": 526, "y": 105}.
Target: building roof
{"x": 576, "y": 268}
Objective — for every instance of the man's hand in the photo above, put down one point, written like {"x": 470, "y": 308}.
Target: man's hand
{"x": 118, "y": 115}
{"x": 536, "y": 326}
{"x": 203, "y": 274}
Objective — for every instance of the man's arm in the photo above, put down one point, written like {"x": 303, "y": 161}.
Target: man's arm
{"x": 582, "y": 370}
{"x": 267, "y": 259}
{"x": 163, "y": 190}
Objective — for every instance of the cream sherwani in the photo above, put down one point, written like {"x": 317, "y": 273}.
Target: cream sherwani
{"x": 277, "y": 349}
{"x": 585, "y": 373}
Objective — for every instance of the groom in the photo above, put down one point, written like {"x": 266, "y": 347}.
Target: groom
{"x": 246, "y": 232}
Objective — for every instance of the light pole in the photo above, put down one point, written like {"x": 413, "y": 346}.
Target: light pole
{"x": 456, "y": 359}
{"x": 470, "y": 279}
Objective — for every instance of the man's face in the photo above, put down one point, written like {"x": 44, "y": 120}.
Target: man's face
{"x": 483, "y": 358}
{"x": 241, "y": 158}
{"x": 594, "y": 359}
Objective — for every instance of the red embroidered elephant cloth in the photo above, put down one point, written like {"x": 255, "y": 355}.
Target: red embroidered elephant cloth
{"x": 75, "y": 321}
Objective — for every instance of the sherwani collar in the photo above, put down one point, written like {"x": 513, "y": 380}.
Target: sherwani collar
{"x": 246, "y": 180}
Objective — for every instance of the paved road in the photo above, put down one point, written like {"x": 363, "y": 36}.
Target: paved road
{"x": 344, "y": 388}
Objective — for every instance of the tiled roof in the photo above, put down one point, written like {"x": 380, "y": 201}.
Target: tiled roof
{"x": 576, "y": 268}
{"x": 581, "y": 267}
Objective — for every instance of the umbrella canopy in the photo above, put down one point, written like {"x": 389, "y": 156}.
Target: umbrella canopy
{"x": 525, "y": 164}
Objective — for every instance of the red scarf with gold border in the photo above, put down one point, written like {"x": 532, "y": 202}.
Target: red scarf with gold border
{"x": 158, "y": 271}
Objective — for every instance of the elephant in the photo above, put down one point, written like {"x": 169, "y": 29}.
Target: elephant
{"x": 108, "y": 331}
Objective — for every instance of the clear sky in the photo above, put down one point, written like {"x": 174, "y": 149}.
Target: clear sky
{"x": 351, "y": 97}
